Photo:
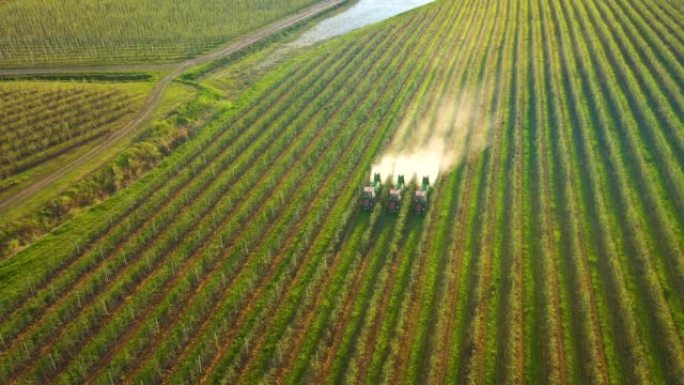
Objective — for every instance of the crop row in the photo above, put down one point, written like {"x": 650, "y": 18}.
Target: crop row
{"x": 63, "y": 136}
{"x": 229, "y": 136}
{"x": 71, "y": 118}
{"x": 428, "y": 317}
{"x": 340, "y": 314}
{"x": 606, "y": 210}
{"x": 37, "y": 103}
{"x": 129, "y": 31}
{"x": 320, "y": 342}
{"x": 156, "y": 224}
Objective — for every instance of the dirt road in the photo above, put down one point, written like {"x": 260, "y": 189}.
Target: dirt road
{"x": 156, "y": 93}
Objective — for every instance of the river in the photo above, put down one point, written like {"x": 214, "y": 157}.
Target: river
{"x": 363, "y": 13}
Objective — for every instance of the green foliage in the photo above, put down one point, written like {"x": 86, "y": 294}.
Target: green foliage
{"x": 36, "y": 32}
{"x": 551, "y": 254}
{"x": 152, "y": 146}
{"x": 40, "y": 121}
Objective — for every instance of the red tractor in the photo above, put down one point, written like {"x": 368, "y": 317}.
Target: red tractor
{"x": 370, "y": 193}
{"x": 420, "y": 201}
{"x": 395, "y": 195}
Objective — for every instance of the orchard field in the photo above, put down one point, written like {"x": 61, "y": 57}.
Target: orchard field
{"x": 40, "y": 122}
{"x": 552, "y": 251}
{"x": 75, "y": 32}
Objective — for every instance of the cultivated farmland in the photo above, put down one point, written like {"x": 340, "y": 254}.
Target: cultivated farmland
{"x": 552, "y": 250}
{"x": 39, "y": 121}
{"x": 74, "y": 32}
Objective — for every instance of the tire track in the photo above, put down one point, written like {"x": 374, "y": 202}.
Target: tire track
{"x": 332, "y": 353}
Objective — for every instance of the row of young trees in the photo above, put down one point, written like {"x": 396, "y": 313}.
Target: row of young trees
{"x": 41, "y": 123}
{"x": 80, "y": 32}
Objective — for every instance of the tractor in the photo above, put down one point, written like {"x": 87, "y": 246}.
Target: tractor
{"x": 420, "y": 201}
{"x": 370, "y": 193}
{"x": 395, "y": 195}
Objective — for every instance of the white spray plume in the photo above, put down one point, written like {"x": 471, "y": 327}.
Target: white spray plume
{"x": 437, "y": 141}
{"x": 423, "y": 161}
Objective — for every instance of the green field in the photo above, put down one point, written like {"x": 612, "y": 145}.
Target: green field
{"x": 42, "y": 120}
{"x": 552, "y": 251}
{"x": 72, "y": 32}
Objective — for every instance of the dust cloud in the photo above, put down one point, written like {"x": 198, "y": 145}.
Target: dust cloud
{"x": 437, "y": 139}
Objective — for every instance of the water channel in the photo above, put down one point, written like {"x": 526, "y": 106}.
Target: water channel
{"x": 363, "y": 13}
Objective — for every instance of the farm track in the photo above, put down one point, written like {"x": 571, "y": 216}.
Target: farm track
{"x": 156, "y": 93}
{"x": 550, "y": 252}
